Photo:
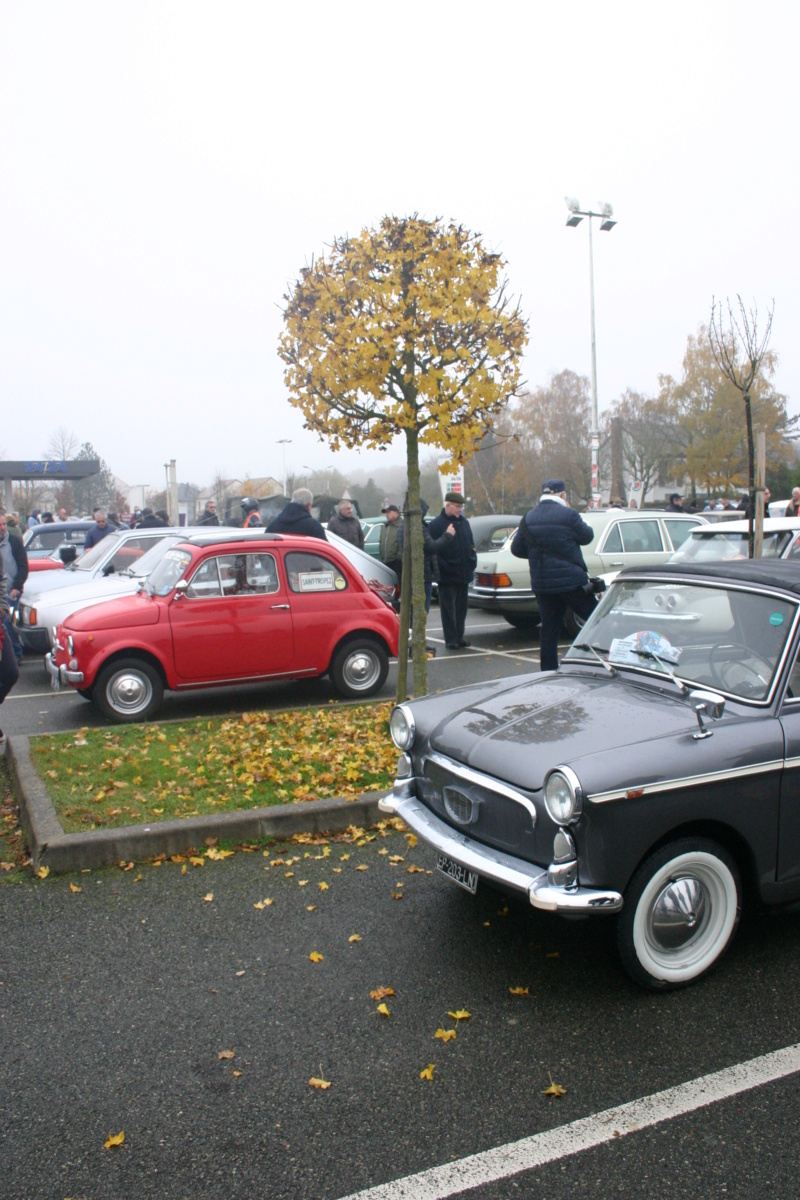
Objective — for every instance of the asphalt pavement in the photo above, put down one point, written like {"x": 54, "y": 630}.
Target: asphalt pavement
{"x": 161, "y": 1003}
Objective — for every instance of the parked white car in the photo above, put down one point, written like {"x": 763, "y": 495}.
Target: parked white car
{"x": 623, "y": 538}
{"x": 718, "y": 543}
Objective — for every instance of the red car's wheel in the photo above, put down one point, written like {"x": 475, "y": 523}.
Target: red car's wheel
{"x": 128, "y": 689}
{"x": 359, "y": 668}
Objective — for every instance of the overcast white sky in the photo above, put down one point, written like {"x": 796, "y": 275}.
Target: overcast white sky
{"x": 167, "y": 167}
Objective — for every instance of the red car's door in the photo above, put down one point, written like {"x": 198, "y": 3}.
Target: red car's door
{"x": 233, "y": 621}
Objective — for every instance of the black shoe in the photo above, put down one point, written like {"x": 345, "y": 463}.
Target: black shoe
{"x": 451, "y": 645}
{"x": 463, "y": 642}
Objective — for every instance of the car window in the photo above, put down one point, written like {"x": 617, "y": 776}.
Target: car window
{"x": 613, "y": 542}
{"x": 495, "y": 538}
{"x": 130, "y": 550}
{"x": 679, "y": 531}
{"x": 794, "y": 549}
{"x": 89, "y": 560}
{"x": 313, "y": 573}
{"x": 234, "y": 575}
{"x": 641, "y": 537}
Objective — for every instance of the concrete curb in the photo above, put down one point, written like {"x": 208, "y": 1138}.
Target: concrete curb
{"x": 50, "y": 846}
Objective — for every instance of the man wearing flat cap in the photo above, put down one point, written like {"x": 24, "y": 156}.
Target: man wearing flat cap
{"x": 550, "y": 536}
{"x": 455, "y": 554}
{"x": 391, "y": 546}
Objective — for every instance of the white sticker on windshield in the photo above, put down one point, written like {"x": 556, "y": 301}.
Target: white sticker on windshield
{"x": 637, "y": 647}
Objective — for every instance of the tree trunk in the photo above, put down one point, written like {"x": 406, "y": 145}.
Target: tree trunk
{"x": 751, "y": 475}
{"x": 413, "y": 582}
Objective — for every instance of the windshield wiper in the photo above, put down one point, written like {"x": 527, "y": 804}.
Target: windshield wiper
{"x": 668, "y": 668}
{"x": 595, "y": 650}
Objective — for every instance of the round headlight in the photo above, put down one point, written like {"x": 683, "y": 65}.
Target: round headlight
{"x": 563, "y": 795}
{"x": 402, "y": 728}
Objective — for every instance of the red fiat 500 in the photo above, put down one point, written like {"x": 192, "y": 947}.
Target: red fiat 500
{"x": 228, "y": 609}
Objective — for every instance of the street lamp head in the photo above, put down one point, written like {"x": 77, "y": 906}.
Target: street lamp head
{"x": 572, "y": 204}
{"x": 606, "y": 209}
{"x": 607, "y": 224}
{"x": 574, "y": 220}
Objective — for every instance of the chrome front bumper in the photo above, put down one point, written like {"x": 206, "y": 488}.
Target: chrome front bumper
{"x": 493, "y": 864}
{"x": 60, "y": 675}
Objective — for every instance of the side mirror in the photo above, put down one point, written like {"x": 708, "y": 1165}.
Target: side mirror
{"x": 709, "y": 704}
{"x": 68, "y": 553}
{"x": 180, "y": 588}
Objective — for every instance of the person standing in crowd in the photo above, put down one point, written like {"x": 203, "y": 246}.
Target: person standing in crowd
{"x": 102, "y": 528}
{"x": 15, "y": 569}
{"x": 550, "y": 536}
{"x": 150, "y": 520}
{"x": 9, "y": 671}
{"x": 251, "y": 517}
{"x": 455, "y": 553}
{"x": 391, "y": 543}
{"x": 62, "y": 515}
{"x": 347, "y": 526}
{"x": 209, "y": 514}
{"x": 296, "y": 517}
{"x": 675, "y": 502}
{"x": 33, "y": 519}
{"x": 793, "y": 508}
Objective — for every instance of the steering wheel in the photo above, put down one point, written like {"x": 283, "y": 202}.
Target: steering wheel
{"x": 721, "y": 671}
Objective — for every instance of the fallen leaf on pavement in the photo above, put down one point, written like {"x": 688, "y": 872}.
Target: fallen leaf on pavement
{"x": 461, "y": 1015}
{"x": 43, "y": 872}
{"x": 555, "y": 1089}
{"x": 445, "y": 1034}
{"x": 315, "y": 956}
{"x": 381, "y": 992}
{"x": 427, "y": 1073}
{"x": 383, "y": 1010}
{"x": 519, "y": 991}
{"x": 209, "y": 896}
{"x": 73, "y": 887}
{"x": 226, "y": 1054}
{"x": 354, "y": 937}
{"x": 319, "y": 1083}
{"x": 114, "y": 1139}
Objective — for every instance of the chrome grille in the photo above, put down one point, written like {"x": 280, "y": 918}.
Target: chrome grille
{"x": 459, "y": 805}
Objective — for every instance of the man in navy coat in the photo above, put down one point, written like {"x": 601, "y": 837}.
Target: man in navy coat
{"x": 550, "y": 536}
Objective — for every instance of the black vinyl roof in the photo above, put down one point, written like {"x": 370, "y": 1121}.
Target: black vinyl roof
{"x": 763, "y": 572}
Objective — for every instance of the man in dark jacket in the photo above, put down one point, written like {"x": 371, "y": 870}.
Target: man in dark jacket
{"x": 14, "y": 559}
{"x": 455, "y": 553}
{"x": 296, "y": 517}
{"x": 675, "y": 504}
{"x": 346, "y": 526}
{"x": 550, "y": 536}
{"x": 101, "y": 529}
{"x": 209, "y": 514}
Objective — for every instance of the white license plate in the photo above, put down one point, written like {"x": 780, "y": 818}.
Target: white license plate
{"x": 458, "y": 873}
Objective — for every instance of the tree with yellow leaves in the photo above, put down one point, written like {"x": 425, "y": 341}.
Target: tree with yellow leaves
{"x": 405, "y": 329}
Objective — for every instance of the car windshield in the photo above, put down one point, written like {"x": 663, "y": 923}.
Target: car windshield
{"x": 730, "y": 639}
{"x": 721, "y": 545}
{"x": 166, "y": 573}
{"x": 92, "y": 557}
{"x": 144, "y": 565}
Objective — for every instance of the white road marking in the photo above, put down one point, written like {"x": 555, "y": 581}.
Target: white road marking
{"x": 492, "y": 1165}
{"x": 49, "y": 695}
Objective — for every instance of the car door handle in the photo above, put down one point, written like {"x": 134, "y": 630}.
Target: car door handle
{"x": 280, "y": 606}
{"x": 617, "y": 564}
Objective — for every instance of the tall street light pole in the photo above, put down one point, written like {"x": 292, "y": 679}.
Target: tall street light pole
{"x": 284, "y": 442}
{"x": 605, "y": 216}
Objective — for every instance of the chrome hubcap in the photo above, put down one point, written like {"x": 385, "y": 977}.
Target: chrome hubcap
{"x": 129, "y": 692}
{"x": 679, "y": 913}
{"x": 361, "y": 669}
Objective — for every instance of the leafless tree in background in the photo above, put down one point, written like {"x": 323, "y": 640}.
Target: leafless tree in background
{"x": 739, "y": 352}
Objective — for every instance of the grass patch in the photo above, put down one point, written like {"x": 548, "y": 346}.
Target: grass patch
{"x": 104, "y": 778}
{"x": 13, "y": 851}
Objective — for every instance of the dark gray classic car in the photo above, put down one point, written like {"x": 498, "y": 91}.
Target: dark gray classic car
{"x": 655, "y": 775}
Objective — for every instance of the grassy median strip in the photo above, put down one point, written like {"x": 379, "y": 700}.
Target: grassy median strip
{"x": 102, "y": 778}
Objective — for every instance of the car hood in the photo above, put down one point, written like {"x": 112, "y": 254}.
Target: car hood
{"x": 92, "y": 591}
{"x": 128, "y": 612}
{"x": 520, "y": 732}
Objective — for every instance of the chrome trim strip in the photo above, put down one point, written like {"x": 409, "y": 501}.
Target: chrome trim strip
{"x": 246, "y": 679}
{"x": 487, "y": 781}
{"x": 672, "y": 785}
{"x": 492, "y": 864}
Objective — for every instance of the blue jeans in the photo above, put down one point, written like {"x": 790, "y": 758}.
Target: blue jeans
{"x": 10, "y": 630}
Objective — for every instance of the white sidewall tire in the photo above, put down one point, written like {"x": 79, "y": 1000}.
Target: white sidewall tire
{"x": 673, "y": 967}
